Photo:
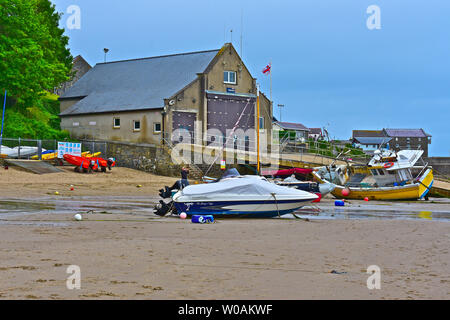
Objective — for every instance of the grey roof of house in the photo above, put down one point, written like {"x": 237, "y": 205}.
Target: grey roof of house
{"x": 292, "y": 126}
{"x": 372, "y": 140}
{"x": 368, "y": 133}
{"x": 315, "y": 130}
{"x": 135, "y": 84}
{"x": 418, "y": 133}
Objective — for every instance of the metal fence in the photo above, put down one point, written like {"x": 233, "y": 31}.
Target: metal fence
{"x": 95, "y": 146}
{"x": 39, "y": 146}
{"x": 331, "y": 149}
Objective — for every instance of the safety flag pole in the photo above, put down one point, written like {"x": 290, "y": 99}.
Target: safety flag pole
{"x": 3, "y": 120}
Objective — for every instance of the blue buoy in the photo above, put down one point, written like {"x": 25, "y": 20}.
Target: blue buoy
{"x": 339, "y": 203}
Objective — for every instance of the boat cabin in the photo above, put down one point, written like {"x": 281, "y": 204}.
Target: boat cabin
{"x": 386, "y": 169}
{"x": 390, "y": 168}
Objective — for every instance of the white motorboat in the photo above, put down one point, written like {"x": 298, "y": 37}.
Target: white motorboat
{"x": 248, "y": 196}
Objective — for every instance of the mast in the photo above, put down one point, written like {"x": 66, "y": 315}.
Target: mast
{"x": 257, "y": 131}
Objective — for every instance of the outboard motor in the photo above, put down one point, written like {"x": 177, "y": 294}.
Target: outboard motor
{"x": 165, "y": 193}
{"x": 161, "y": 208}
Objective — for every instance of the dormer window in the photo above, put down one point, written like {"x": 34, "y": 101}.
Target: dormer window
{"x": 229, "y": 77}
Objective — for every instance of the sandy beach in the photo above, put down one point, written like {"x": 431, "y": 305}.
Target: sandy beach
{"x": 126, "y": 252}
{"x": 119, "y": 181}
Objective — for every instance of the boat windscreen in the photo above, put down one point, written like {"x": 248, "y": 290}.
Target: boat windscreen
{"x": 229, "y": 173}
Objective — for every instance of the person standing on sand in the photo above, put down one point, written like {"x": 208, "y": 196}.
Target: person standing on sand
{"x": 184, "y": 177}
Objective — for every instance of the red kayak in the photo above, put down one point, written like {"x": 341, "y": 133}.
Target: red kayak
{"x": 104, "y": 163}
{"x": 81, "y": 163}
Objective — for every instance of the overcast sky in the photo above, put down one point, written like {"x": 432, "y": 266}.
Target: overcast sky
{"x": 329, "y": 69}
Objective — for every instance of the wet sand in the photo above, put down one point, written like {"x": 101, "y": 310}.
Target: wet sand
{"x": 132, "y": 254}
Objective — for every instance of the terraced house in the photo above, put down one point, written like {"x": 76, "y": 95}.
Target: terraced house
{"x": 397, "y": 139}
{"x": 143, "y": 100}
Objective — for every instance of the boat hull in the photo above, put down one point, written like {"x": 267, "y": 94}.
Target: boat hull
{"x": 249, "y": 209}
{"x": 85, "y": 163}
{"x": 407, "y": 192}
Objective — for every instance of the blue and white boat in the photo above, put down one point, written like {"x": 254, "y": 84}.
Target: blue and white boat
{"x": 241, "y": 196}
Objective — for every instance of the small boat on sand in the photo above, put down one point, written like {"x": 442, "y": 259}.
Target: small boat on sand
{"x": 81, "y": 163}
{"x": 241, "y": 196}
{"x": 22, "y": 151}
{"x": 389, "y": 175}
{"x": 90, "y": 164}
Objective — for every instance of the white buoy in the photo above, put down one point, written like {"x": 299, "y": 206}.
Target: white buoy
{"x": 78, "y": 217}
{"x": 183, "y": 215}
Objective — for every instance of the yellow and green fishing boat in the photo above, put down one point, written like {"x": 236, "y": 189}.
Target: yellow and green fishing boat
{"x": 389, "y": 175}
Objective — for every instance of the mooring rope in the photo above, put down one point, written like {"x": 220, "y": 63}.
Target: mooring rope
{"x": 276, "y": 203}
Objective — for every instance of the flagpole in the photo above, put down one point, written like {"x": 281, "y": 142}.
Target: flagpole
{"x": 271, "y": 102}
{"x": 257, "y": 130}
{"x": 3, "y": 120}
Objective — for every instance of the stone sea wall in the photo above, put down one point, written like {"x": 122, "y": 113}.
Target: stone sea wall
{"x": 156, "y": 159}
{"x": 441, "y": 165}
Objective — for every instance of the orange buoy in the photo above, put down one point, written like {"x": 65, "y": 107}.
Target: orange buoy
{"x": 388, "y": 164}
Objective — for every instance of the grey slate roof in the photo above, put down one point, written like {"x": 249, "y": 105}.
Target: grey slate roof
{"x": 315, "y": 130}
{"x": 372, "y": 140}
{"x": 292, "y": 126}
{"x": 368, "y": 133}
{"x": 135, "y": 84}
{"x": 419, "y": 133}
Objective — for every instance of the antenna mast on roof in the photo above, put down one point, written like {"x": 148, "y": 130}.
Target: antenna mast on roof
{"x": 106, "y": 50}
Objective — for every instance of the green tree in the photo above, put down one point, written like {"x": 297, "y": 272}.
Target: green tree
{"x": 33, "y": 50}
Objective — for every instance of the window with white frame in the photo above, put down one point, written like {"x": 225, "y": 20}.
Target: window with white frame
{"x": 136, "y": 125}
{"x": 229, "y": 77}
{"x": 116, "y": 123}
{"x": 157, "y": 127}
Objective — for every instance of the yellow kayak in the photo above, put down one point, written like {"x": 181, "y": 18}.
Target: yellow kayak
{"x": 52, "y": 156}
{"x": 92, "y": 155}
{"x": 47, "y": 156}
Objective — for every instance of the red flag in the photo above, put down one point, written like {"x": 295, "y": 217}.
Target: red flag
{"x": 267, "y": 69}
